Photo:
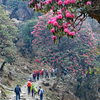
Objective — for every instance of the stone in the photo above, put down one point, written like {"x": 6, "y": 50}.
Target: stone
{"x": 46, "y": 83}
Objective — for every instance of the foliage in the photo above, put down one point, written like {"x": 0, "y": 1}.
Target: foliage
{"x": 7, "y": 33}
{"x": 24, "y": 34}
{"x": 67, "y": 14}
{"x": 79, "y": 55}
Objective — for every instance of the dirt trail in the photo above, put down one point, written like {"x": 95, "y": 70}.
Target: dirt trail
{"x": 24, "y": 94}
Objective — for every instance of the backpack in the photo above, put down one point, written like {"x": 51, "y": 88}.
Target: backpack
{"x": 34, "y": 74}
{"x": 35, "y": 90}
{"x": 37, "y": 71}
{"x": 46, "y": 71}
{"x": 29, "y": 84}
{"x": 56, "y": 70}
{"x": 17, "y": 90}
{"x": 32, "y": 87}
{"x": 41, "y": 72}
{"x": 51, "y": 70}
{"x": 41, "y": 92}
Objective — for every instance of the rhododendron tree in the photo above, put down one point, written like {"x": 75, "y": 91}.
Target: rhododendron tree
{"x": 67, "y": 14}
{"x": 7, "y": 33}
{"x": 77, "y": 55}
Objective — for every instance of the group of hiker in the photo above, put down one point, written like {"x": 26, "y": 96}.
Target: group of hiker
{"x": 30, "y": 85}
{"x": 37, "y": 74}
{"x": 43, "y": 72}
{"x": 31, "y": 89}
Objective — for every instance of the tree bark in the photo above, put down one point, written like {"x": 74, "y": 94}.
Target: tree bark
{"x": 2, "y": 66}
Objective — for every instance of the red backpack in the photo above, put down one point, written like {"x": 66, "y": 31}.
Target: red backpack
{"x": 29, "y": 83}
{"x": 41, "y": 72}
{"x": 37, "y": 71}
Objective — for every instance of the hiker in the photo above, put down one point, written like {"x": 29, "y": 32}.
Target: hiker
{"x": 30, "y": 79}
{"x": 32, "y": 89}
{"x": 52, "y": 70}
{"x": 40, "y": 92}
{"x": 35, "y": 91}
{"x": 34, "y": 76}
{"x": 37, "y": 74}
{"x": 17, "y": 90}
{"x": 29, "y": 86}
{"x": 56, "y": 72}
{"x": 42, "y": 72}
{"x": 46, "y": 74}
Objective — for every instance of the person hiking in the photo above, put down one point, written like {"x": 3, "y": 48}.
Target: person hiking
{"x": 35, "y": 91}
{"x": 52, "y": 70}
{"x": 32, "y": 89}
{"x": 46, "y": 74}
{"x": 17, "y": 90}
{"x": 30, "y": 79}
{"x": 42, "y": 72}
{"x": 37, "y": 74}
{"x": 34, "y": 76}
{"x": 40, "y": 92}
{"x": 56, "y": 72}
{"x": 29, "y": 86}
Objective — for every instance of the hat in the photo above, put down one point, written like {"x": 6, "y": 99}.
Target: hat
{"x": 39, "y": 86}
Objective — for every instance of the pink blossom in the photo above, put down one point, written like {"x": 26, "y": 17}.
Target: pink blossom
{"x": 72, "y": 1}
{"x": 74, "y": 73}
{"x": 82, "y": 73}
{"x": 68, "y": 15}
{"x": 49, "y": 22}
{"x": 89, "y": 2}
{"x": 65, "y": 2}
{"x": 72, "y": 33}
{"x": 49, "y": 1}
{"x": 60, "y": 16}
{"x": 72, "y": 16}
{"x": 52, "y": 30}
{"x": 74, "y": 60}
{"x": 54, "y": 37}
{"x": 55, "y": 23}
{"x": 59, "y": 12}
{"x": 66, "y": 30}
{"x": 31, "y": 32}
{"x": 66, "y": 11}
{"x": 68, "y": 1}
{"x": 59, "y": 26}
{"x": 59, "y": 2}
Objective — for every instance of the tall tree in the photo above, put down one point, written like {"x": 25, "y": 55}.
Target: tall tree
{"x": 7, "y": 33}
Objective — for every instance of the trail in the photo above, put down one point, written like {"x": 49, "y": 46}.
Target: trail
{"x": 24, "y": 94}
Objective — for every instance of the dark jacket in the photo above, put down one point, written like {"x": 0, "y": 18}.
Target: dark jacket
{"x": 17, "y": 89}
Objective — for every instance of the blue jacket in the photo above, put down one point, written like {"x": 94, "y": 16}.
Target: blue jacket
{"x": 17, "y": 89}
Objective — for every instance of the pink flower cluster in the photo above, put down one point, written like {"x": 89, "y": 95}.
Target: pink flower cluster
{"x": 54, "y": 37}
{"x": 37, "y": 60}
{"x": 60, "y": 2}
{"x": 54, "y": 22}
{"x": 88, "y": 3}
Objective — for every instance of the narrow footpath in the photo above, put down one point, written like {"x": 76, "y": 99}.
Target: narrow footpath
{"x": 24, "y": 94}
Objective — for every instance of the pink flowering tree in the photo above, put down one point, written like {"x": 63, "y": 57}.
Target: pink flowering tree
{"x": 77, "y": 55}
{"x": 7, "y": 33}
{"x": 66, "y": 17}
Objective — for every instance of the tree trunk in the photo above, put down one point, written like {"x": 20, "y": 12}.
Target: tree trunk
{"x": 2, "y": 66}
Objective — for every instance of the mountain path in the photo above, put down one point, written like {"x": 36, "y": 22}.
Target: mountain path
{"x": 24, "y": 94}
